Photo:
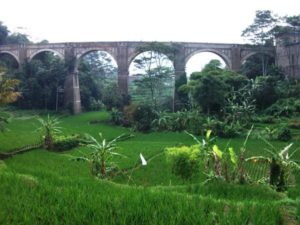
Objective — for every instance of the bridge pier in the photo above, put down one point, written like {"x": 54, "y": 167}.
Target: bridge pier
{"x": 71, "y": 85}
{"x": 236, "y": 58}
{"x": 123, "y": 68}
{"x": 180, "y": 76}
{"x": 72, "y": 93}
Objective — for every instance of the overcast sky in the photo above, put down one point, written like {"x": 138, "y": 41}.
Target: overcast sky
{"x": 137, "y": 20}
{"x": 219, "y": 21}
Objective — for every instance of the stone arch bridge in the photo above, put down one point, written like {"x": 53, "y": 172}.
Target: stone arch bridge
{"x": 124, "y": 53}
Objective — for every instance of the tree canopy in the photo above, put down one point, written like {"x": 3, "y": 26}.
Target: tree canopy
{"x": 8, "y": 93}
{"x": 153, "y": 80}
{"x": 260, "y": 31}
{"x": 8, "y": 37}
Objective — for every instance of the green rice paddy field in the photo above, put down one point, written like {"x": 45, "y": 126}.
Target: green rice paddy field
{"x": 42, "y": 187}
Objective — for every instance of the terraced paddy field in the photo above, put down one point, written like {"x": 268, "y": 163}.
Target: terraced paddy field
{"x": 43, "y": 187}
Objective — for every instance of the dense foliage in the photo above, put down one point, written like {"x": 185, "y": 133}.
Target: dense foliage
{"x": 98, "y": 82}
{"x": 6, "y": 37}
{"x": 184, "y": 160}
{"x": 42, "y": 82}
{"x": 153, "y": 79}
{"x": 224, "y": 181}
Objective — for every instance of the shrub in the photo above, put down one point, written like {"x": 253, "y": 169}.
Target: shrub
{"x": 264, "y": 119}
{"x": 297, "y": 105}
{"x": 294, "y": 124}
{"x": 284, "y": 134}
{"x": 227, "y": 130}
{"x": 191, "y": 121}
{"x": 264, "y": 93}
{"x": 113, "y": 98}
{"x": 270, "y": 133}
{"x": 184, "y": 160}
{"x": 128, "y": 112}
{"x": 63, "y": 143}
{"x": 163, "y": 121}
{"x": 283, "y": 107}
{"x": 116, "y": 116}
{"x": 96, "y": 105}
{"x": 143, "y": 117}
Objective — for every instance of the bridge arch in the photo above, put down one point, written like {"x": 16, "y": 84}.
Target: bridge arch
{"x": 243, "y": 59}
{"x": 81, "y": 55}
{"x": 12, "y": 55}
{"x": 138, "y": 54}
{"x": 159, "y": 92}
{"x": 226, "y": 59}
{"x": 134, "y": 55}
{"x": 46, "y": 50}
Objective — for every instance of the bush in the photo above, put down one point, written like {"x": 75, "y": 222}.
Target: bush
{"x": 284, "y": 134}
{"x": 294, "y": 124}
{"x": 116, "y": 116}
{"x": 63, "y": 143}
{"x": 192, "y": 121}
{"x": 113, "y": 98}
{"x": 227, "y": 130}
{"x": 96, "y": 105}
{"x": 283, "y": 107}
{"x": 143, "y": 117}
{"x": 297, "y": 105}
{"x": 128, "y": 112}
{"x": 184, "y": 160}
{"x": 264, "y": 119}
{"x": 265, "y": 94}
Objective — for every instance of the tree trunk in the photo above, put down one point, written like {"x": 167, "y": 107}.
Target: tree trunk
{"x": 48, "y": 142}
{"x": 103, "y": 169}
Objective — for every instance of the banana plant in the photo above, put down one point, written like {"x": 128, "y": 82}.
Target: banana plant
{"x": 205, "y": 146}
{"x": 101, "y": 157}
{"x": 226, "y": 164}
{"x": 211, "y": 155}
{"x": 270, "y": 132}
{"x": 223, "y": 161}
{"x": 49, "y": 127}
{"x": 281, "y": 165}
{"x": 162, "y": 122}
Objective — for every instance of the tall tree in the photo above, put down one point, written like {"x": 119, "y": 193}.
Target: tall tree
{"x": 293, "y": 21}
{"x": 3, "y": 33}
{"x": 154, "y": 77}
{"x": 260, "y": 33}
{"x": 252, "y": 66}
{"x": 6, "y": 37}
{"x": 8, "y": 93}
{"x": 288, "y": 39}
{"x": 96, "y": 72}
{"x": 207, "y": 88}
{"x": 17, "y": 38}
{"x": 210, "y": 87}
{"x": 41, "y": 80}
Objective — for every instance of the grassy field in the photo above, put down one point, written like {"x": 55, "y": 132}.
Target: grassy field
{"x": 42, "y": 187}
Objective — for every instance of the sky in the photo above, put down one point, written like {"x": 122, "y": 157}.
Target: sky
{"x": 214, "y": 21}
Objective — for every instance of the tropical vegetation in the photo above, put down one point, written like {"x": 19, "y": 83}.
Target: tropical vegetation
{"x": 218, "y": 148}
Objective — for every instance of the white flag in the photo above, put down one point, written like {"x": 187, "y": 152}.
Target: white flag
{"x": 144, "y": 162}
